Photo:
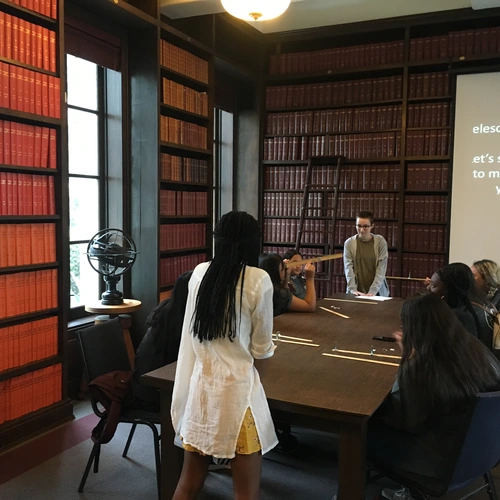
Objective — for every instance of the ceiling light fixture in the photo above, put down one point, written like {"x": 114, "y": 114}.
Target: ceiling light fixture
{"x": 255, "y": 10}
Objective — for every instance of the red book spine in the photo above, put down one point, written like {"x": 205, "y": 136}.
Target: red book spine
{"x": 45, "y": 95}
{"x": 45, "y": 49}
{"x": 52, "y": 197}
{"x": 52, "y": 52}
{"x": 53, "y": 148}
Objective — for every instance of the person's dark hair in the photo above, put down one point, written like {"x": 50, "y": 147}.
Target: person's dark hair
{"x": 271, "y": 263}
{"x": 290, "y": 253}
{"x": 364, "y": 214}
{"x": 441, "y": 362}
{"x": 165, "y": 320}
{"x": 460, "y": 288}
{"x": 237, "y": 245}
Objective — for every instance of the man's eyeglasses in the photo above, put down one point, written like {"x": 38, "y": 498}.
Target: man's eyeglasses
{"x": 364, "y": 226}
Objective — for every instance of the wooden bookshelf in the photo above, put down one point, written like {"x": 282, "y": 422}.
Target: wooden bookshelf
{"x": 33, "y": 275}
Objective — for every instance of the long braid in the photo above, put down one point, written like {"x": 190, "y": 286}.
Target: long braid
{"x": 236, "y": 246}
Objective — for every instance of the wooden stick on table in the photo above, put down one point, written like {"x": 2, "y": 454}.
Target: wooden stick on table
{"x": 321, "y": 258}
{"x": 360, "y": 359}
{"x": 279, "y": 335}
{"x": 334, "y": 312}
{"x": 367, "y": 354}
{"x": 405, "y": 279}
{"x": 295, "y": 342}
{"x": 354, "y": 301}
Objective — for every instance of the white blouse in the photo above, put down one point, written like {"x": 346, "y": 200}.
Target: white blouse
{"x": 216, "y": 381}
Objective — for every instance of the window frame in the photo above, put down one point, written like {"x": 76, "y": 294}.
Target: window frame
{"x": 79, "y": 311}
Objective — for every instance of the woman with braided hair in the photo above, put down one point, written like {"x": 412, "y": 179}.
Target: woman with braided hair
{"x": 455, "y": 284}
{"x": 487, "y": 276}
{"x": 219, "y": 407}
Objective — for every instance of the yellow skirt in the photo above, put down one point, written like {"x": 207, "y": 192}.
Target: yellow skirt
{"x": 248, "y": 440}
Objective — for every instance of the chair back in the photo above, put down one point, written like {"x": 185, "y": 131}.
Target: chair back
{"x": 103, "y": 351}
{"x": 480, "y": 450}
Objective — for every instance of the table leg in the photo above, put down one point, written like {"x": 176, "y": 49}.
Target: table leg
{"x": 352, "y": 462}
{"x": 171, "y": 455}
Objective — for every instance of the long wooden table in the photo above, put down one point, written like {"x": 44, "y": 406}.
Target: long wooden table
{"x": 309, "y": 389}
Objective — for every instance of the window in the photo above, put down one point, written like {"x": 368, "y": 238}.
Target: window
{"x": 85, "y": 84}
{"x": 223, "y": 164}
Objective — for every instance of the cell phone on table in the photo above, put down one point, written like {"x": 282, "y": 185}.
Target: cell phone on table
{"x": 384, "y": 339}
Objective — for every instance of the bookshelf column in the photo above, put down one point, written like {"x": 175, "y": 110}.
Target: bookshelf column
{"x": 186, "y": 168}
{"x": 33, "y": 227}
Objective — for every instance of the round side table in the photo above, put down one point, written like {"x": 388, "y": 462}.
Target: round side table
{"x": 121, "y": 311}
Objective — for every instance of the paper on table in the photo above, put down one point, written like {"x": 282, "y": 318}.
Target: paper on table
{"x": 374, "y": 297}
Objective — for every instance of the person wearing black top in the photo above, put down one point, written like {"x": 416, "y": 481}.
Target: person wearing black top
{"x": 487, "y": 276}
{"x": 296, "y": 281}
{"x": 418, "y": 428}
{"x": 160, "y": 344}
{"x": 455, "y": 284}
{"x": 283, "y": 299}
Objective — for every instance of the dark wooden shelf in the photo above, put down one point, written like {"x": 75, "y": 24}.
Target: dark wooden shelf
{"x": 27, "y": 268}
{"x": 12, "y": 320}
{"x": 443, "y": 61}
{"x": 183, "y": 114}
{"x": 336, "y": 106}
{"x": 345, "y": 132}
{"x": 412, "y": 100}
{"x": 184, "y": 183}
{"x": 445, "y": 127}
{"x": 361, "y": 161}
{"x": 30, "y": 367}
{"x": 32, "y": 424}
{"x": 427, "y": 252}
{"x": 13, "y": 62}
{"x": 181, "y": 217}
{"x": 14, "y": 219}
{"x": 184, "y": 149}
{"x": 291, "y": 78}
{"x": 332, "y": 191}
{"x": 32, "y": 170}
{"x": 182, "y": 251}
{"x": 121, "y": 12}
{"x": 426, "y": 191}
{"x": 184, "y": 79}
{"x": 291, "y": 244}
{"x": 28, "y": 14}
{"x": 167, "y": 286}
{"x": 427, "y": 158}
{"x": 21, "y": 116}
{"x": 425, "y": 223}
{"x": 454, "y": 61}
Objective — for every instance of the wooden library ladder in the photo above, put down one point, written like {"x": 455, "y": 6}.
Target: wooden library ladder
{"x": 327, "y": 183}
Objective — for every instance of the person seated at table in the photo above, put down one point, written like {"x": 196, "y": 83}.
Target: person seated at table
{"x": 296, "y": 281}
{"x": 283, "y": 299}
{"x": 420, "y": 425}
{"x": 160, "y": 344}
{"x": 455, "y": 284}
{"x": 487, "y": 276}
{"x": 219, "y": 406}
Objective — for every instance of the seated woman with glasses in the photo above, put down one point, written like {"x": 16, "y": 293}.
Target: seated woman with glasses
{"x": 365, "y": 259}
{"x": 283, "y": 299}
{"x": 418, "y": 429}
{"x": 455, "y": 284}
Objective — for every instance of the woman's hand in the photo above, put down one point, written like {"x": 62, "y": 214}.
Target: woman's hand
{"x": 399, "y": 339}
{"x": 309, "y": 270}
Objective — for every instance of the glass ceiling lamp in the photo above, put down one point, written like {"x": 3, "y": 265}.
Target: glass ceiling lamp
{"x": 255, "y": 10}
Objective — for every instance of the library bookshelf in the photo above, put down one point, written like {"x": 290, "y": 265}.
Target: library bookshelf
{"x": 384, "y": 100}
{"x": 33, "y": 221}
